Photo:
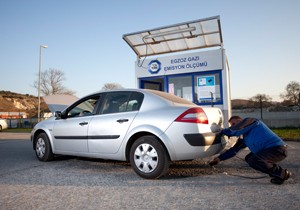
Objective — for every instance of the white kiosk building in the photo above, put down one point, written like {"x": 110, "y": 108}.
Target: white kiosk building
{"x": 195, "y": 68}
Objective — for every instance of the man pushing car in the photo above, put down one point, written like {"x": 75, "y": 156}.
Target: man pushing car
{"x": 266, "y": 148}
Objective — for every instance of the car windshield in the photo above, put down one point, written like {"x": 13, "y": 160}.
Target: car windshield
{"x": 170, "y": 97}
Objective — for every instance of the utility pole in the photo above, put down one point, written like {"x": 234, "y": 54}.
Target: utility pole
{"x": 39, "y": 82}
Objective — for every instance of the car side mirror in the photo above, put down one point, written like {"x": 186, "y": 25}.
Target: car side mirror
{"x": 58, "y": 114}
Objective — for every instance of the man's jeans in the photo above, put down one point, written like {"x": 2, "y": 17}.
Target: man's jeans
{"x": 265, "y": 161}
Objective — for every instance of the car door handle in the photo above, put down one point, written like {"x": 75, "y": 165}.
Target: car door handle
{"x": 83, "y": 123}
{"x": 122, "y": 120}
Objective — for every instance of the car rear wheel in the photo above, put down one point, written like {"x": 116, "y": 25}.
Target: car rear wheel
{"x": 43, "y": 148}
{"x": 149, "y": 158}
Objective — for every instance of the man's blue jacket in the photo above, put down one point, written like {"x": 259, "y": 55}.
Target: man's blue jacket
{"x": 256, "y": 136}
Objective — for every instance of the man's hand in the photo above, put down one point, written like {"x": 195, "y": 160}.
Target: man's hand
{"x": 215, "y": 128}
{"x": 215, "y": 161}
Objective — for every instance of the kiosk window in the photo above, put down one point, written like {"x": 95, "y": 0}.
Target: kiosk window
{"x": 207, "y": 88}
{"x": 181, "y": 86}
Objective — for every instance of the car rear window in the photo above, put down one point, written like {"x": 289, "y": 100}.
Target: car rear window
{"x": 170, "y": 97}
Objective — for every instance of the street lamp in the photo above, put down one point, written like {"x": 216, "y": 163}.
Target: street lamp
{"x": 39, "y": 81}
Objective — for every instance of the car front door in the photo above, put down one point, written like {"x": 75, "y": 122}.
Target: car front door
{"x": 71, "y": 131}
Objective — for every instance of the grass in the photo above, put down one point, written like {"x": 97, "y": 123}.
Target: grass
{"x": 287, "y": 133}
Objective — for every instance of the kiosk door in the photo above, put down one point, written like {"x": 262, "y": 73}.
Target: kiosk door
{"x": 152, "y": 85}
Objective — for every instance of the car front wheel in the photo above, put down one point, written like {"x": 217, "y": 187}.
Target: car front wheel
{"x": 149, "y": 158}
{"x": 43, "y": 148}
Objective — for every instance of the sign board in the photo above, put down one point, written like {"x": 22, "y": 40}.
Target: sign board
{"x": 180, "y": 64}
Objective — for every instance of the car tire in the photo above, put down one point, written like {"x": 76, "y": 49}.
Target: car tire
{"x": 148, "y": 158}
{"x": 43, "y": 148}
{"x": 0, "y": 128}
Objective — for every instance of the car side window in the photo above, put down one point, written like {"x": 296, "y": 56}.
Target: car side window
{"x": 85, "y": 108}
{"x": 114, "y": 102}
{"x": 121, "y": 102}
{"x": 135, "y": 101}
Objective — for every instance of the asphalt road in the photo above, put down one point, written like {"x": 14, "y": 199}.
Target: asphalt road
{"x": 78, "y": 183}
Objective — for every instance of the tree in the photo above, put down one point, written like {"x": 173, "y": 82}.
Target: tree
{"x": 51, "y": 83}
{"x": 260, "y": 99}
{"x": 292, "y": 93}
{"x": 111, "y": 86}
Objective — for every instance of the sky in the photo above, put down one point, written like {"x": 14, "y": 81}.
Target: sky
{"x": 84, "y": 39}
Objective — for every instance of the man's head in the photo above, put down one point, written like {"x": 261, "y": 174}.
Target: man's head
{"x": 234, "y": 120}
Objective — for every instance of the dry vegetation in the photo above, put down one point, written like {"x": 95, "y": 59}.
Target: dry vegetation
{"x": 15, "y": 102}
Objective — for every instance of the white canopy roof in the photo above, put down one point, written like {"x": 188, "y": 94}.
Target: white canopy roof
{"x": 192, "y": 35}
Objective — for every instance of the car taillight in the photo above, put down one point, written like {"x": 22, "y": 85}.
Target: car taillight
{"x": 193, "y": 115}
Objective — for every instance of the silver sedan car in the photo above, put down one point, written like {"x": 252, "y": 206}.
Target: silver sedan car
{"x": 146, "y": 127}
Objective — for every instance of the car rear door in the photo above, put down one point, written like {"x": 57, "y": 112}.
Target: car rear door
{"x": 108, "y": 129}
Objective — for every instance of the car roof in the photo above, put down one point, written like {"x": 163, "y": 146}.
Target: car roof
{"x": 166, "y": 96}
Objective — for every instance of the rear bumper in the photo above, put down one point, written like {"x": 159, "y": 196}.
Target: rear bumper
{"x": 192, "y": 144}
{"x": 205, "y": 139}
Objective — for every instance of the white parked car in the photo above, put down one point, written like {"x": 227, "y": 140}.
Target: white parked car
{"x": 3, "y": 124}
{"x": 146, "y": 127}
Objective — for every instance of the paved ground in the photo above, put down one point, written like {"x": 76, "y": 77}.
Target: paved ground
{"x": 78, "y": 183}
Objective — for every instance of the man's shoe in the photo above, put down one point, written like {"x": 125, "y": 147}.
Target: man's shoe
{"x": 287, "y": 174}
{"x": 279, "y": 181}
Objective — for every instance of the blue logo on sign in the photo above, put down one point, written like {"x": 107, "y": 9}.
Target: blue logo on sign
{"x": 154, "y": 66}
